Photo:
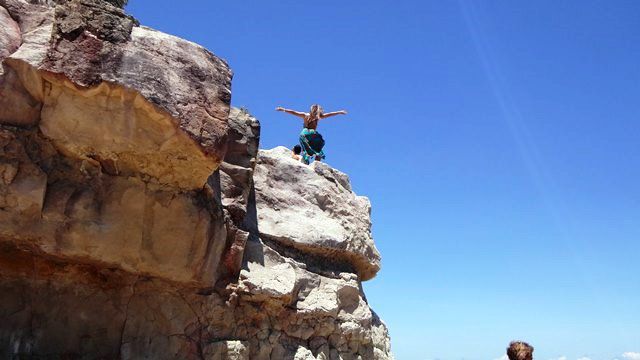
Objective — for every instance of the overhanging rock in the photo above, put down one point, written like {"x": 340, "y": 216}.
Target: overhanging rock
{"x": 130, "y": 226}
{"x": 148, "y": 103}
{"x": 312, "y": 211}
{"x": 108, "y": 134}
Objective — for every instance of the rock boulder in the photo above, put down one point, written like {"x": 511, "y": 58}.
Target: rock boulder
{"x": 313, "y": 211}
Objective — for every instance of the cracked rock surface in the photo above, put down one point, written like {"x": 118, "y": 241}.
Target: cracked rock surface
{"x": 138, "y": 219}
{"x": 116, "y": 92}
{"x": 313, "y": 210}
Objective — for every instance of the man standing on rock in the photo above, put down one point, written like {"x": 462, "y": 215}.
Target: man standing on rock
{"x": 311, "y": 141}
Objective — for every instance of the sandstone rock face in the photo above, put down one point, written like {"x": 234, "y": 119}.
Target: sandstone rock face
{"x": 329, "y": 318}
{"x": 10, "y": 36}
{"x": 111, "y": 132}
{"x": 233, "y": 184}
{"x": 138, "y": 218}
{"x": 121, "y": 93}
{"x": 313, "y": 210}
{"x": 59, "y": 309}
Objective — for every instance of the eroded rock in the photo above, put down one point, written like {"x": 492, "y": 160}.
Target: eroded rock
{"x": 130, "y": 224}
{"x": 312, "y": 209}
{"x": 70, "y": 209}
{"x": 331, "y": 313}
{"x": 17, "y": 106}
{"x": 54, "y": 307}
{"x": 233, "y": 184}
{"x": 10, "y": 36}
{"x": 23, "y": 182}
{"x": 109, "y": 134}
{"x": 145, "y": 100}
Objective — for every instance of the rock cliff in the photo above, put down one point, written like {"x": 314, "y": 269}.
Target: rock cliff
{"x": 138, "y": 219}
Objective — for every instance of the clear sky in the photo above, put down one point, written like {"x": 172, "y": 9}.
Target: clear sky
{"x": 497, "y": 140}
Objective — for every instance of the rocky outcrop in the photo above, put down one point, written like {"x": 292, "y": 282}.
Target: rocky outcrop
{"x": 111, "y": 141}
{"x": 139, "y": 219}
{"x": 312, "y": 210}
{"x": 57, "y": 308}
{"x": 233, "y": 184}
{"x": 107, "y": 93}
{"x": 320, "y": 316}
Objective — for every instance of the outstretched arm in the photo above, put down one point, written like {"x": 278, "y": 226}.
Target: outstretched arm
{"x": 292, "y": 112}
{"x": 329, "y": 114}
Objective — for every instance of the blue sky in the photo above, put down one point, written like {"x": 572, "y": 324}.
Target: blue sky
{"x": 497, "y": 140}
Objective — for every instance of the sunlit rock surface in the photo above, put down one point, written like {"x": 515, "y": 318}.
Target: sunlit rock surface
{"x": 111, "y": 132}
{"x": 123, "y": 94}
{"x": 312, "y": 209}
{"x": 138, "y": 218}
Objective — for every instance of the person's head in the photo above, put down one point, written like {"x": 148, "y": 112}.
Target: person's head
{"x": 315, "y": 111}
{"x": 520, "y": 350}
{"x": 297, "y": 149}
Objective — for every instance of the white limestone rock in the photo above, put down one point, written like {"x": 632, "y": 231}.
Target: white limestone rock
{"x": 277, "y": 282}
{"x": 226, "y": 350}
{"x": 304, "y": 354}
{"x": 312, "y": 209}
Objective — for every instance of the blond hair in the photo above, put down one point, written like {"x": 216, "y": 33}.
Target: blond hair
{"x": 520, "y": 350}
{"x": 315, "y": 112}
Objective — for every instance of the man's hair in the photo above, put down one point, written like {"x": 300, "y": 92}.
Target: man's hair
{"x": 520, "y": 350}
{"x": 297, "y": 149}
{"x": 315, "y": 111}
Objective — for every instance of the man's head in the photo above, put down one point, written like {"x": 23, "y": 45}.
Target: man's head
{"x": 297, "y": 149}
{"x": 520, "y": 350}
{"x": 315, "y": 111}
